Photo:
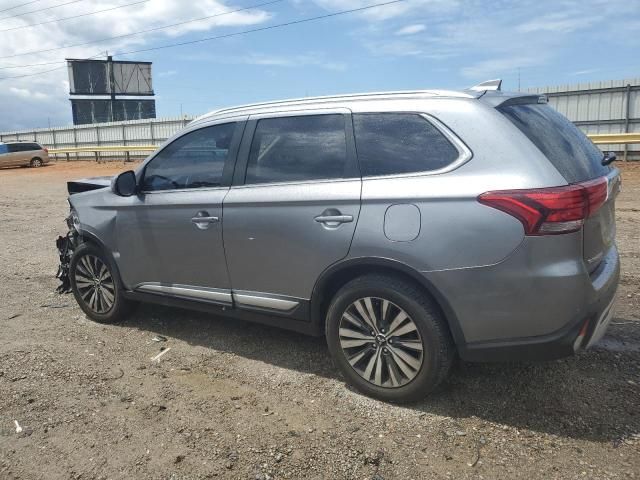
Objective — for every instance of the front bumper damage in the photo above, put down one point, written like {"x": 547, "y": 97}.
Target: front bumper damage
{"x": 66, "y": 246}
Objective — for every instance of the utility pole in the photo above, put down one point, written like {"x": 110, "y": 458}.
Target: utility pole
{"x": 112, "y": 86}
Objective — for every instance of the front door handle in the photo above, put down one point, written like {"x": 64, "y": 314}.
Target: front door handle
{"x": 334, "y": 218}
{"x": 202, "y": 220}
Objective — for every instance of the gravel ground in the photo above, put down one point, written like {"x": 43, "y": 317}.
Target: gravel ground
{"x": 236, "y": 400}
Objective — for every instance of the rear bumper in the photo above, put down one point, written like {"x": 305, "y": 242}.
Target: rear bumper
{"x": 582, "y": 331}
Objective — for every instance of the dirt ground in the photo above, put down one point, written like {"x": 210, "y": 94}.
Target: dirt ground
{"x": 236, "y": 400}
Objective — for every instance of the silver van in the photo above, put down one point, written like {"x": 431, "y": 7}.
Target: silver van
{"x": 408, "y": 228}
{"x": 23, "y": 154}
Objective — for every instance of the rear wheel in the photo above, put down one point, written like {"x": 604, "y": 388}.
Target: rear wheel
{"x": 96, "y": 287}
{"x": 36, "y": 162}
{"x": 388, "y": 339}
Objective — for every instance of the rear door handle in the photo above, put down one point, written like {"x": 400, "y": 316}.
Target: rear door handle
{"x": 334, "y": 218}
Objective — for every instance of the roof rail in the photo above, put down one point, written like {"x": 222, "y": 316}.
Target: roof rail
{"x": 488, "y": 85}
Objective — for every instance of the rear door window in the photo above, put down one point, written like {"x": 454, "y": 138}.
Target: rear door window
{"x": 195, "y": 160}
{"x": 567, "y": 148}
{"x": 400, "y": 143}
{"x": 295, "y": 149}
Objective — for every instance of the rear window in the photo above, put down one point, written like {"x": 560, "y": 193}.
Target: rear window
{"x": 564, "y": 144}
{"x": 400, "y": 143}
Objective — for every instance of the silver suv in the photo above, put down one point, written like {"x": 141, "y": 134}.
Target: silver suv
{"x": 23, "y": 154}
{"x": 407, "y": 228}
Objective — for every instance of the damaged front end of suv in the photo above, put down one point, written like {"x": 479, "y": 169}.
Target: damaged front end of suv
{"x": 68, "y": 243}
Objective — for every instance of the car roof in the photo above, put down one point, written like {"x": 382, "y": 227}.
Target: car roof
{"x": 316, "y": 101}
{"x": 492, "y": 96}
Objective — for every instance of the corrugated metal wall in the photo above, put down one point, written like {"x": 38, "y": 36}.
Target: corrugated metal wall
{"x": 611, "y": 106}
{"x": 134, "y": 132}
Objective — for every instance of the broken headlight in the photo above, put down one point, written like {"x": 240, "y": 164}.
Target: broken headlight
{"x": 73, "y": 221}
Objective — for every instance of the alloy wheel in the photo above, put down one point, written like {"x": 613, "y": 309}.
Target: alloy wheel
{"x": 95, "y": 284}
{"x": 381, "y": 342}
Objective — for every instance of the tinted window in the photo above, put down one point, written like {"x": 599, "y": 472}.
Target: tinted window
{"x": 397, "y": 143}
{"x": 297, "y": 149}
{"x": 192, "y": 161}
{"x": 566, "y": 147}
{"x": 23, "y": 147}
{"x": 3, "y": 149}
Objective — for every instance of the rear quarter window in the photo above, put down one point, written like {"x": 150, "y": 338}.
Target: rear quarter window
{"x": 567, "y": 148}
{"x": 400, "y": 143}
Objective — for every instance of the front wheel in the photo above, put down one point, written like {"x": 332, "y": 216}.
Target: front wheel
{"x": 96, "y": 287}
{"x": 388, "y": 338}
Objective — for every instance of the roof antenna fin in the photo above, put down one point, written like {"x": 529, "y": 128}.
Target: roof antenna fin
{"x": 488, "y": 85}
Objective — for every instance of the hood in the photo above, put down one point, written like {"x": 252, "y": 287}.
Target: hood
{"x": 87, "y": 184}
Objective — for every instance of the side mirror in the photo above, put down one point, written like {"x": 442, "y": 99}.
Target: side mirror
{"x": 125, "y": 184}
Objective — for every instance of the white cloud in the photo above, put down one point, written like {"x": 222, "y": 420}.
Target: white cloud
{"x": 168, "y": 73}
{"x": 13, "y": 92}
{"x": 390, "y": 11}
{"x": 558, "y": 22}
{"x": 304, "y": 60}
{"x": 297, "y": 61}
{"x": 25, "y": 93}
{"x": 498, "y": 67}
{"x": 411, "y": 29}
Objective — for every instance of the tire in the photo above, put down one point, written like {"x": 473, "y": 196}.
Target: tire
{"x": 36, "y": 162}
{"x": 412, "y": 362}
{"x": 96, "y": 285}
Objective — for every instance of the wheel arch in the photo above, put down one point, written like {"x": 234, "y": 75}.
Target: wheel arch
{"x": 337, "y": 275}
{"x": 88, "y": 237}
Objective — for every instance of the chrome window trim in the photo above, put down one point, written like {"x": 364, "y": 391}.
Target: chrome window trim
{"x": 183, "y": 190}
{"x": 306, "y": 182}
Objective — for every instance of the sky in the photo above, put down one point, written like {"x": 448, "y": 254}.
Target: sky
{"x": 412, "y": 44}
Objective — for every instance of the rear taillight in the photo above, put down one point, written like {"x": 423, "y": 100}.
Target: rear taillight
{"x": 46, "y": 150}
{"x": 550, "y": 211}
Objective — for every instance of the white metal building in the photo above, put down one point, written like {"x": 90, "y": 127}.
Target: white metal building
{"x": 611, "y": 106}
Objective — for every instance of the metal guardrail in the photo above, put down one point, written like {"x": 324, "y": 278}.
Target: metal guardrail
{"x": 127, "y": 149}
{"x": 619, "y": 138}
{"x": 607, "y": 138}
{"x": 114, "y": 148}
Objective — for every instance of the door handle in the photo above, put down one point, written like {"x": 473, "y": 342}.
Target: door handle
{"x": 202, "y": 220}
{"x": 334, "y": 218}
{"x": 205, "y": 219}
